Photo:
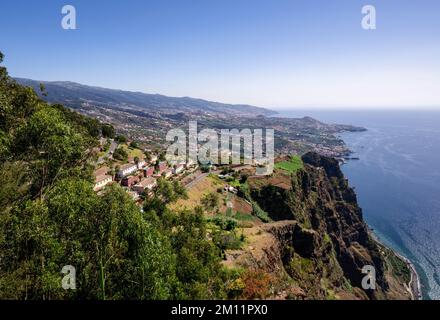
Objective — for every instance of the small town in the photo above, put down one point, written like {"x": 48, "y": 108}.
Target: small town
{"x": 138, "y": 169}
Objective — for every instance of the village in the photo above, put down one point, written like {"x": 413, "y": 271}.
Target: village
{"x": 138, "y": 172}
{"x": 139, "y": 169}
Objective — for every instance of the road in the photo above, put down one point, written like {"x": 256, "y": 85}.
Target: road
{"x": 109, "y": 153}
{"x": 196, "y": 180}
{"x": 200, "y": 176}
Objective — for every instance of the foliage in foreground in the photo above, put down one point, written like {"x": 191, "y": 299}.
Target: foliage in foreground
{"x": 50, "y": 217}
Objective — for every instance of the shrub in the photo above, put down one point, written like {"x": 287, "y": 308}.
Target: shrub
{"x": 225, "y": 223}
{"x": 258, "y": 285}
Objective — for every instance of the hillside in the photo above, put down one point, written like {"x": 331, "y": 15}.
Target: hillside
{"x": 318, "y": 242}
{"x": 51, "y": 218}
{"x": 292, "y": 235}
{"x": 74, "y": 95}
{"x": 147, "y": 118}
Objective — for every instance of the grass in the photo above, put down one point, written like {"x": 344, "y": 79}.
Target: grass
{"x": 243, "y": 217}
{"x": 205, "y": 186}
{"x": 133, "y": 152}
{"x": 291, "y": 166}
{"x": 233, "y": 183}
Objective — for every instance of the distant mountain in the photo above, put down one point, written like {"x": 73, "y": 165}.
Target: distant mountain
{"x": 147, "y": 118}
{"x": 77, "y": 95}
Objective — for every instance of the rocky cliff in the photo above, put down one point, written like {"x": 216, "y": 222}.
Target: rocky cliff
{"x": 318, "y": 242}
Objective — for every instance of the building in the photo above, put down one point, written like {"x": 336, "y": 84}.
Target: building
{"x": 162, "y": 166}
{"x": 145, "y": 184}
{"x": 190, "y": 163}
{"x": 148, "y": 171}
{"x": 153, "y": 159}
{"x": 130, "y": 181}
{"x": 101, "y": 181}
{"x": 178, "y": 169}
{"x": 141, "y": 164}
{"x": 128, "y": 169}
{"x": 168, "y": 173}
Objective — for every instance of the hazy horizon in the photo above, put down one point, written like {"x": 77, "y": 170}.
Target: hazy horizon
{"x": 278, "y": 108}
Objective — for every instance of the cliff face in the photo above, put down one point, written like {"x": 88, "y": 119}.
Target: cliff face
{"x": 318, "y": 242}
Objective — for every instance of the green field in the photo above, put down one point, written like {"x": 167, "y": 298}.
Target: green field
{"x": 133, "y": 152}
{"x": 293, "y": 165}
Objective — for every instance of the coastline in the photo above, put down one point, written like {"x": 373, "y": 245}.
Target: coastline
{"x": 414, "y": 285}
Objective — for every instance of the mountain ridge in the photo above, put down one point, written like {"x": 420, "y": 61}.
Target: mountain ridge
{"x": 67, "y": 92}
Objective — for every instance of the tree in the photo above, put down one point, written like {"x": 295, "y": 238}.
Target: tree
{"x": 108, "y": 131}
{"x": 243, "y": 178}
{"x": 43, "y": 90}
{"x": 121, "y": 139}
{"x": 198, "y": 270}
{"x": 50, "y": 216}
{"x": 134, "y": 145}
{"x": 165, "y": 193}
{"x": 210, "y": 201}
{"x": 134, "y": 259}
{"x": 51, "y": 145}
{"x": 120, "y": 154}
{"x": 147, "y": 156}
{"x": 3, "y": 72}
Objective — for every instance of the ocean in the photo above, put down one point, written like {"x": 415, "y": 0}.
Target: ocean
{"x": 397, "y": 181}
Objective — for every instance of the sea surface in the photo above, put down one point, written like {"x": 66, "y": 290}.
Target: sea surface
{"x": 397, "y": 180}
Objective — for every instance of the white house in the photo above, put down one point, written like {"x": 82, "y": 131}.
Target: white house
{"x": 141, "y": 164}
{"x": 128, "y": 169}
{"x": 101, "y": 181}
{"x": 178, "y": 169}
{"x": 153, "y": 159}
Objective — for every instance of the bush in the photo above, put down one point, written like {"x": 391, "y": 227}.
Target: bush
{"x": 120, "y": 154}
{"x": 258, "y": 285}
{"x": 225, "y": 223}
{"x": 260, "y": 213}
{"x": 227, "y": 241}
{"x": 121, "y": 139}
{"x": 108, "y": 131}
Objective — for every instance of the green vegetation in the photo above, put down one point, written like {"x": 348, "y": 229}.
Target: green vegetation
{"x": 291, "y": 166}
{"x": 233, "y": 182}
{"x": 224, "y": 233}
{"x": 108, "y": 131}
{"x": 131, "y": 151}
{"x": 243, "y": 217}
{"x": 260, "y": 213}
{"x": 244, "y": 192}
{"x": 396, "y": 265}
{"x": 134, "y": 145}
{"x": 302, "y": 268}
{"x": 50, "y": 217}
{"x": 225, "y": 223}
{"x": 120, "y": 154}
{"x": 121, "y": 139}
{"x": 210, "y": 201}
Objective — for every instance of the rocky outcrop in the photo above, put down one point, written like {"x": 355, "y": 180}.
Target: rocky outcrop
{"x": 319, "y": 241}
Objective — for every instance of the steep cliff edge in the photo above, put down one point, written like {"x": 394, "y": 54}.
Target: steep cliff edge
{"x": 318, "y": 243}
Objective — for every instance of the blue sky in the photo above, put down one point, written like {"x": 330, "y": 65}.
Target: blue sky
{"x": 273, "y": 53}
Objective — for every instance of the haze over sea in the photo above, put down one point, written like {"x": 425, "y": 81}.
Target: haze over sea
{"x": 397, "y": 180}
